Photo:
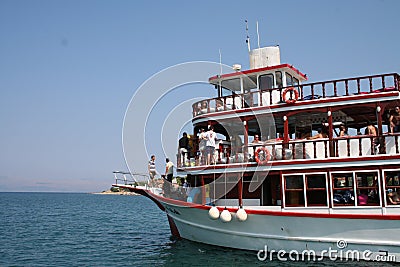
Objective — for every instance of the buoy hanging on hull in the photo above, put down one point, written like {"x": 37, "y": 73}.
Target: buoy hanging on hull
{"x": 213, "y": 213}
{"x": 225, "y": 216}
{"x": 241, "y": 215}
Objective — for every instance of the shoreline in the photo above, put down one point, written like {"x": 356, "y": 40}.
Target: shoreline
{"x": 115, "y": 193}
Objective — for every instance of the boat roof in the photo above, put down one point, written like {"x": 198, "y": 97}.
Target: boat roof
{"x": 259, "y": 71}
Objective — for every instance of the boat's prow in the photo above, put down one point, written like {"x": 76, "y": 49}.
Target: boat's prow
{"x": 144, "y": 191}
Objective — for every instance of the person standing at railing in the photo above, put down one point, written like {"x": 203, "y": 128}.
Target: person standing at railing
{"x": 152, "y": 169}
{"x": 183, "y": 149}
{"x": 322, "y": 133}
{"x": 254, "y": 145}
{"x": 220, "y": 105}
{"x": 373, "y": 131}
{"x": 169, "y": 174}
{"x": 203, "y": 108}
{"x": 343, "y": 131}
{"x": 202, "y": 146}
{"x": 256, "y": 140}
{"x": 394, "y": 121}
{"x": 169, "y": 170}
{"x": 211, "y": 136}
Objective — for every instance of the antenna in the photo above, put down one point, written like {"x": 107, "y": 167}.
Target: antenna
{"x": 220, "y": 62}
{"x": 247, "y": 38}
{"x": 258, "y": 42}
{"x": 258, "y": 36}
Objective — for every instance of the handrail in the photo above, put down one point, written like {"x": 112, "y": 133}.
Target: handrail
{"x": 132, "y": 180}
{"x": 333, "y": 88}
{"x": 323, "y": 148}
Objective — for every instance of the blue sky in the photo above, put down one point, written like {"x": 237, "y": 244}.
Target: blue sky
{"x": 68, "y": 69}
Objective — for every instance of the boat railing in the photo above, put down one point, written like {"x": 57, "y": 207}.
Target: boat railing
{"x": 303, "y": 149}
{"x": 128, "y": 178}
{"x": 311, "y": 91}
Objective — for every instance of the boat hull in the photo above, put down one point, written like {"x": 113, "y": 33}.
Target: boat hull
{"x": 298, "y": 235}
{"x": 348, "y": 238}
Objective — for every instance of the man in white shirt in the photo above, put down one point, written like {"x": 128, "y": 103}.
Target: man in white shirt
{"x": 169, "y": 174}
{"x": 211, "y": 136}
{"x": 169, "y": 170}
{"x": 202, "y": 146}
{"x": 152, "y": 169}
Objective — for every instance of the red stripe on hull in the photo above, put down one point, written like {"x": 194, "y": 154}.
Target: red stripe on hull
{"x": 158, "y": 199}
{"x": 283, "y": 213}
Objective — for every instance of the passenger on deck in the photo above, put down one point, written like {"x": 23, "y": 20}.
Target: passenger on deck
{"x": 183, "y": 149}
{"x": 168, "y": 176}
{"x": 203, "y": 108}
{"x": 220, "y": 105}
{"x": 169, "y": 170}
{"x": 305, "y": 135}
{"x": 394, "y": 121}
{"x": 255, "y": 144}
{"x": 186, "y": 185}
{"x": 322, "y": 133}
{"x": 256, "y": 139}
{"x": 393, "y": 197}
{"x": 279, "y": 137}
{"x": 343, "y": 131}
{"x": 202, "y": 146}
{"x": 373, "y": 131}
{"x": 152, "y": 169}
{"x": 210, "y": 145}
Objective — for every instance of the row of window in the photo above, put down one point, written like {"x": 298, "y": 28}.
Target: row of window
{"x": 266, "y": 81}
{"x": 360, "y": 188}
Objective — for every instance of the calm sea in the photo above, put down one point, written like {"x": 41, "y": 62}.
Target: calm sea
{"x": 66, "y": 229}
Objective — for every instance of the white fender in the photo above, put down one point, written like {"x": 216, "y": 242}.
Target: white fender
{"x": 213, "y": 213}
{"x": 241, "y": 215}
{"x": 225, "y": 216}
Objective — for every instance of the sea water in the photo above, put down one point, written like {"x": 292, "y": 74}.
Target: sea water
{"x": 68, "y": 229}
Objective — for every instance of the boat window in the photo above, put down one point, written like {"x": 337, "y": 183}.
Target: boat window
{"x": 392, "y": 187}
{"x": 367, "y": 188}
{"x": 343, "y": 189}
{"x": 294, "y": 190}
{"x": 278, "y": 77}
{"x": 289, "y": 79}
{"x": 232, "y": 84}
{"x": 295, "y": 81}
{"x": 316, "y": 190}
{"x": 266, "y": 81}
{"x": 249, "y": 83}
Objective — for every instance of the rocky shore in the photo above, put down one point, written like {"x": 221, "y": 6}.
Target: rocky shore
{"x": 110, "y": 192}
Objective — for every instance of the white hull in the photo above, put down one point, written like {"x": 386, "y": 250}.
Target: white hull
{"x": 299, "y": 233}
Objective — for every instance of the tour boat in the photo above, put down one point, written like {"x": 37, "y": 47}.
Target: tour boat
{"x": 324, "y": 174}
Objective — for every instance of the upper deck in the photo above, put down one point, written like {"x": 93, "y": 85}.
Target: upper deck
{"x": 264, "y": 89}
{"x": 353, "y": 102}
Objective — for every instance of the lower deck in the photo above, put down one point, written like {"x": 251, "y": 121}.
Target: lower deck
{"x": 355, "y": 190}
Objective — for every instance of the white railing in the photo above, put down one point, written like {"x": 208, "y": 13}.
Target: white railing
{"x": 341, "y": 147}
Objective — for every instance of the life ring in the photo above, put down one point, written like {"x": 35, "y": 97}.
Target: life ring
{"x": 262, "y": 159}
{"x": 290, "y": 100}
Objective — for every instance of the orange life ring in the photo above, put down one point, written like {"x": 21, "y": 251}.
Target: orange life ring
{"x": 266, "y": 157}
{"x": 290, "y": 100}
